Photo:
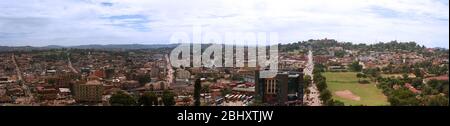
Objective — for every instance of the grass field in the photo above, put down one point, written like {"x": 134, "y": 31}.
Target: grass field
{"x": 369, "y": 94}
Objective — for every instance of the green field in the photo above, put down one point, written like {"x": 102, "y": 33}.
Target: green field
{"x": 369, "y": 94}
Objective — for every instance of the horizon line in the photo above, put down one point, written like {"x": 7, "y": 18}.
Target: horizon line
{"x": 68, "y": 46}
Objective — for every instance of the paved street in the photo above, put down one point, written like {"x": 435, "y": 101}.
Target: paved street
{"x": 170, "y": 71}
{"x": 26, "y": 100}
{"x": 313, "y": 97}
{"x": 71, "y": 66}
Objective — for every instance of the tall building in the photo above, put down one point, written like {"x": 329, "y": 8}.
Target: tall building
{"x": 91, "y": 91}
{"x": 286, "y": 88}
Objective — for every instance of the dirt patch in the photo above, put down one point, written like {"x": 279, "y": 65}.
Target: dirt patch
{"x": 347, "y": 95}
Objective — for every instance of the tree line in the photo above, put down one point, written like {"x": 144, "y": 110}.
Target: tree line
{"x": 325, "y": 94}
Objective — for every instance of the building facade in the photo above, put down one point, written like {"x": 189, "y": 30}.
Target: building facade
{"x": 286, "y": 88}
{"x": 91, "y": 92}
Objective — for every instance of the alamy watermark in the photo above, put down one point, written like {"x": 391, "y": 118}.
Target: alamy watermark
{"x": 231, "y": 49}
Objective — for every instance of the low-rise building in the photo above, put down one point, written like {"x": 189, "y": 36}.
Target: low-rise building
{"x": 183, "y": 74}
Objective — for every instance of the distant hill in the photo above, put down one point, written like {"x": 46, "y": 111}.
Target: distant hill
{"x": 111, "y": 46}
{"x": 53, "y": 47}
{"x": 125, "y": 46}
{"x": 317, "y": 45}
{"x": 19, "y": 48}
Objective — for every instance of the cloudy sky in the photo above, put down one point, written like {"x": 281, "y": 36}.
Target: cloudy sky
{"x": 79, "y": 22}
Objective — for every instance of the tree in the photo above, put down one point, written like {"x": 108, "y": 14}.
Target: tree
{"x": 405, "y": 77}
{"x": 225, "y": 91}
{"x": 436, "y": 100}
{"x": 321, "y": 85}
{"x": 417, "y": 82}
{"x": 307, "y": 92}
{"x": 197, "y": 90}
{"x": 307, "y": 80}
{"x": 319, "y": 77}
{"x": 359, "y": 76}
{"x": 168, "y": 98}
{"x": 418, "y": 73}
{"x": 372, "y": 73}
{"x": 355, "y": 67}
{"x": 364, "y": 76}
{"x": 439, "y": 86}
{"x": 333, "y": 102}
{"x": 144, "y": 79}
{"x": 205, "y": 89}
{"x": 121, "y": 98}
{"x": 403, "y": 97}
{"x": 236, "y": 78}
{"x": 364, "y": 81}
{"x": 340, "y": 53}
{"x": 318, "y": 68}
{"x": 427, "y": 90}
{"x": 388, "y": 69}
{"x": 51, "y": 81}
{"x": 325, "y": 95}
{"x": 148, "y": 99}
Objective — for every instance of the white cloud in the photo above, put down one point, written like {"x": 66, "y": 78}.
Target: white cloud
{"x": 74, "y": 22}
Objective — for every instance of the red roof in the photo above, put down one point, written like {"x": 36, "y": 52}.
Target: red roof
{"x": 443, "y": 77}
{"x": 411, "y": 88}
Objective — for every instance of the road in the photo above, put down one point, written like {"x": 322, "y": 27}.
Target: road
{"x": 20, "y": 78}
{"x": 19, "y": 73}
{"x": 314, "y": 93}
{"x": 71, "y": 66}
{"x": 170, "y": 71}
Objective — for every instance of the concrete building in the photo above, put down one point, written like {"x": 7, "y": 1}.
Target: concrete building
{"x": 92, "y": 92}
{"x": 286, "y": 88}
{"x": 183, "y": 74}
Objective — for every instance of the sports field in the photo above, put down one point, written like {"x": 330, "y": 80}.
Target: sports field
{"x": 345, "y": 88}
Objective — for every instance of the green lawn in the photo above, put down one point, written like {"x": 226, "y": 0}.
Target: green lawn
{"x": 370, "y": 95}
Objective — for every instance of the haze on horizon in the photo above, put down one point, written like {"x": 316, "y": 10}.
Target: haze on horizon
{"x": 83, "y": 22}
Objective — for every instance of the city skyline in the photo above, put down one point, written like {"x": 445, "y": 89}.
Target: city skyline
{"x": 85, "y": 22}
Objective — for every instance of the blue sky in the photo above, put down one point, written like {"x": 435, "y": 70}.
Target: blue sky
{"x": 79, "y": 22}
